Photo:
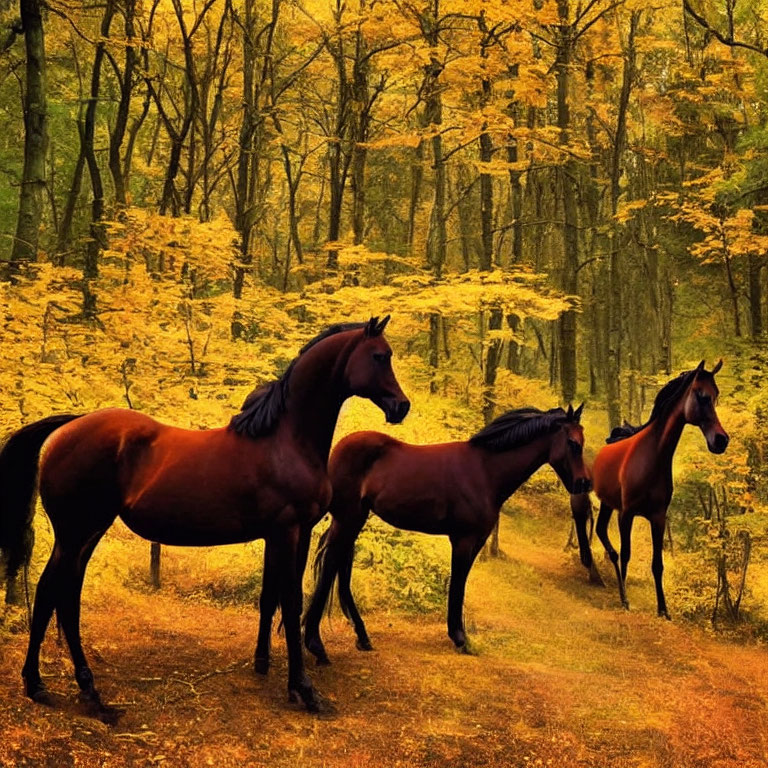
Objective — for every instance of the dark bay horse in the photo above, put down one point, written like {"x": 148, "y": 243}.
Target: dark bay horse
{"x": 633, "y": 473}
{"x": 450, "y": 489}
{"x": 262, "y": 476}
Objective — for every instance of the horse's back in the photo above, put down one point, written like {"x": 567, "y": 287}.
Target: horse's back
{"x": 357, "y": 452}
{"x": 90, "y": 448}
{"x": 416, "y": 487}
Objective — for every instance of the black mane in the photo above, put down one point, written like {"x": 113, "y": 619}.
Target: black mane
{"x": 666, "y": 399}
{"x": 518, "y": 427}
{"x": 623, "y": 432}
{"x": 264, "y": 406}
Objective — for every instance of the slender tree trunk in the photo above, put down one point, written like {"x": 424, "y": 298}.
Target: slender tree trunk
{"x": 417, "y": 176}
{"x": 98, "y": 239}
{"x": 568, "y": 189}
{"x": 117, "y": 134}
{"x": 35, "y": 135}
{"x": 65, "y": 227}
{"x": 755, "y": 266}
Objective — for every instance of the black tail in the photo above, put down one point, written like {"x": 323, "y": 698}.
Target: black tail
{"x": 319, "y": 561}
{"x": 18, "y": 488}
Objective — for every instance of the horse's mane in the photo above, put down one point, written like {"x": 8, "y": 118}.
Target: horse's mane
{"x": 518, "y": 427}
{"x": 264, "y": 406}
{"x": 624, "y": 431}
{"x": 666, "y": 399}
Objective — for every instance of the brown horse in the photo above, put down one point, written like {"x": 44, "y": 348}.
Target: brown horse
{"x": 633, "y": 473}
{"x": 452, "y": 489}
{"x": 263, "y": 476}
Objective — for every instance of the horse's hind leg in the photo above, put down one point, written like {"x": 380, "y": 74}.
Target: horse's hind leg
{"x": 603, "y": 518}
{"x": 45, "y": 601}
{"x": 72, "y": 567}
{"x": 346, "y": 599}
{"x": 329, "y": 565}
{"x": 270, "y": 596}
{"x": 464, "y": 552}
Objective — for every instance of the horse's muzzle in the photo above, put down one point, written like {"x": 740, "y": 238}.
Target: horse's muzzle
{"x": 720, "y": 443}
{"x": 396, "y": 410}
{"x": 582, "y": 485}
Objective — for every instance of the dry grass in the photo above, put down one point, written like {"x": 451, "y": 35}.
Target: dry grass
{"x": 562, "y": 676}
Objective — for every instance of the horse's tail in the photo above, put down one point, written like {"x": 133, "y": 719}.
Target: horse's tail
{"x": 317, "y": 566}
{"x": 18, "y": 489}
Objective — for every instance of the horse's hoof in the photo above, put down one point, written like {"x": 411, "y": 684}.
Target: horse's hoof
{"x": 467, "y": 649}
{"x": 304, "y": 694}
{"x": 364, "y": 645}
{"x": 108, "y": 715}
{"x": 260, "y": 666}
{"x": 322, "y": 661}
{"x": 625, "y": 604}
{"x": 41, "y": 695}
{"x": 665, "y": 615}
{"x": 595, "y": 577}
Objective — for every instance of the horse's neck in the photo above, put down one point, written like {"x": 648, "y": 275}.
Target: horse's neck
{"x": 315, "y": 396}
{"x": 508, "y": 470}
{"x": 666, "y": 434}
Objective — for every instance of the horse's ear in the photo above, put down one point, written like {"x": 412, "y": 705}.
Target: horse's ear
{"x": 700, "y": 366}
{"x": 577, "y": 413}
{"x": 569, "y": 413}
{"x": 370, "y": 327}
{"x": 382, "y": 325}
{"x": 717, "y": 367}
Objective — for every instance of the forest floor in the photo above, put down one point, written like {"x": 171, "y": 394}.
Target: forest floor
{"x": 561, "y": 677}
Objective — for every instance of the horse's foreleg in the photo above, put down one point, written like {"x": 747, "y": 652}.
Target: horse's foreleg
{"x": 601, "y": 528}
{"x": 658, "y": 524}
{"x": 270, "y": 596}
{"x": 463, "y": 554}
{"x": 581, "y": 508}
{"x": 45, "y": 602}
{"x": 299, "y": 684}
{"x": 625, "y": 531}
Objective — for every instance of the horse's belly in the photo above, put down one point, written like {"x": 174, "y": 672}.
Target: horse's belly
{"x": 427, "y": 515}
{"x": 193, "y": 533}
{"x": 198, "y": 519}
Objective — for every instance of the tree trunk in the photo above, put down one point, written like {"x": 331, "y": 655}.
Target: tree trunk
{"x": 117, "y": 134}
{"x": 97, "y": 240}
{"x": 755, "y": 295}
{"x": 154, "y": 565}
{"x": 35, "y": 135}
{"x": 568, "y": 189}
{"x": 65, "y": 227}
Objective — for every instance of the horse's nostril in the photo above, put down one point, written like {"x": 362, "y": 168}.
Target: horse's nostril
{"x": 721, "y": 442}
{"x": 403, "y": 408}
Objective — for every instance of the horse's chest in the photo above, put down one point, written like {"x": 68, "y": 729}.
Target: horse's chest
{"x": 647, "y": 493}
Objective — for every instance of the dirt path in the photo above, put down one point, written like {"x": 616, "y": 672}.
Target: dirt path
{"x": 562, "y": 678}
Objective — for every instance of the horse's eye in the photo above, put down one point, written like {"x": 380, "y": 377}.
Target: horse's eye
{"x": 576, "y": 448}
{"x": 380, "y": 357}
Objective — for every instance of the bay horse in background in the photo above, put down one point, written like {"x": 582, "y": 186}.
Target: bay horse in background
{"x": 450, "y": 489}
{"x": 633, "y": 472}
{"x": 262, "y": 476}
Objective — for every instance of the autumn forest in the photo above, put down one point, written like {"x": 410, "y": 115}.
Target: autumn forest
{"x": 556, "y": 201}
